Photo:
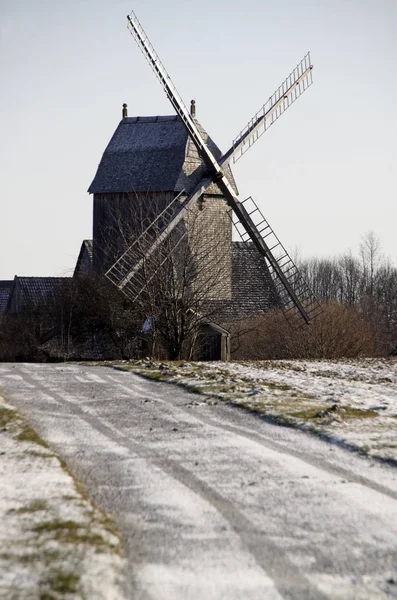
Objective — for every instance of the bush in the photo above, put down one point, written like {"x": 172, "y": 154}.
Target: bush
{"x": 339, "y": 332}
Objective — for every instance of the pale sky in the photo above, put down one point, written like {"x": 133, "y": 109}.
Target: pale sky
{"x": 324, "y": 174}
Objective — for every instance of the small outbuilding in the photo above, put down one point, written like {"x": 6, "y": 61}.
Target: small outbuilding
{"x": 213, "y": 343}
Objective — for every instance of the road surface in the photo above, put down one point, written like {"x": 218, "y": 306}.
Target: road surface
{"x": 213, "y": 502}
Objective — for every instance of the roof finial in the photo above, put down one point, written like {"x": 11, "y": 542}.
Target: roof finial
{"x": 125, "y": 111}
{"x": 193, "y": 108}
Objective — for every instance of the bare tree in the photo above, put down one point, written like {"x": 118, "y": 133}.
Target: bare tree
{"x": 350, "y": 279}
{"x": 371, "y": 255}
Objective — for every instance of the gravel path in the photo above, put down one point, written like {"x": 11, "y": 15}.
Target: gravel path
{"x": 213, "y": 502}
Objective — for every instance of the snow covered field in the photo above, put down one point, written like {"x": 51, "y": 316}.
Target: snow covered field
{"x": 353, "y": 402}
{"x": 53, "y": 542}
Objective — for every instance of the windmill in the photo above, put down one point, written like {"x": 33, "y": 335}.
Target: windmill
{"x": 294, "y": 295}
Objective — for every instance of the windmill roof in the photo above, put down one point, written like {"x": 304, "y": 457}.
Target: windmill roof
{"x": 5, "y": 289}
{"x": 152, "y": 154}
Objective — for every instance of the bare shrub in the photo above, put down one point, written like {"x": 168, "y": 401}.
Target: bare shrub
{"x": 339, "y": 332}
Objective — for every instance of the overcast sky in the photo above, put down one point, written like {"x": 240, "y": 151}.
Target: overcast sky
{"x": 324, "y": 174}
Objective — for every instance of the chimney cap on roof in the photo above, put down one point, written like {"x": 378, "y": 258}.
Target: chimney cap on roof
{"x": 125, "y": 110}
{"x": 193, "y": 108}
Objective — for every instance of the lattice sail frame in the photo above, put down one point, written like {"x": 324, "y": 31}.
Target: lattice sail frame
{"x": 129, "y": 279}
{"x": 286, "y": 264}
{"x": 286, "y": 94}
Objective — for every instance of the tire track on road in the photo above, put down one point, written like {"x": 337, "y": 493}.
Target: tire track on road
{"x": 261, "y": 438}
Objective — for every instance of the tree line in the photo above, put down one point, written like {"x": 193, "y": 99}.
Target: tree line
{"x": 358, "y": 295}
{"x": 367, "y": 282}
{"x": 89, "y": 318}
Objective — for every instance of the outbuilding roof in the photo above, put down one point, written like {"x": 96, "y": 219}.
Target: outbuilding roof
{"x": 5, "y": 289}
{"x": 37, "y": 289}
{"x": 152, "y": 154}
{"x": 84, "y": 260}
{"x": 33, "y": 291}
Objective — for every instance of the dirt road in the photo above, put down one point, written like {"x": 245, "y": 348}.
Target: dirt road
{"x": 215, "y": 503}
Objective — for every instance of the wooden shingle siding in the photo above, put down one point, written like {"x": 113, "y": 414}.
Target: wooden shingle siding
{"x": 253, "y": 291}
{"x": 210, "y": 234}
{"x": 118, "y": 219}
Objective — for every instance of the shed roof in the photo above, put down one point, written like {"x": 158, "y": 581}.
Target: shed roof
{"x": 152, "y": 154}
{"x": 5, "y": 289}
{"x": 41, "y": 288}
{"x": 32, "y": 291}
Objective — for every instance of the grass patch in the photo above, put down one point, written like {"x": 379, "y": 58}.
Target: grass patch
{"x": 37, "y": 454}
{"x": 30, "y": 435}
{"x": 29, "y": 558}
{"x": 283, "y": 387}
{"x": 98, "y": 515}
{"x": 62, "y": 582}
{"x": 154, "y": 375}
{"x": 258, "y": 407}
{"x": 70, "y": 532}
{"x": 358, "y": 413}
{"x": 315, "y": 412}
{"x": 286, "y": 413}
{"x": 21, "y": 559}
{"x": 198, "y": 378}
{"x": 7, "y": 416}
{"x": 34, "y": 506}
{"x": 56, "y": 525}
{"x": 343, "y": 412}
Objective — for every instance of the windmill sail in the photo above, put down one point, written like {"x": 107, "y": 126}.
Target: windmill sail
{"x": 292, "y": 87}
{"x": 170, "y": 89}
{"x": 293, "y": 283}
{"x": 294, "y": 295}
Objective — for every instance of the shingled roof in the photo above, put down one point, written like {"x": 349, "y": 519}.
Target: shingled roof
{"x": 5, "y": 289}
{"x": 84, "y": 260}
{"x": 32, "y": 291}
{"x": 152, "y": 154}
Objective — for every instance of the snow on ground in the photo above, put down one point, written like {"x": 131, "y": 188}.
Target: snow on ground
{"x": 54, "y": 544}
{"x": 353, "y": 402}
